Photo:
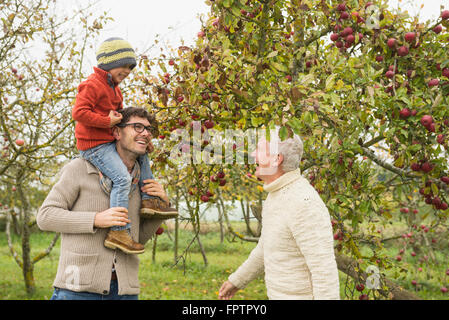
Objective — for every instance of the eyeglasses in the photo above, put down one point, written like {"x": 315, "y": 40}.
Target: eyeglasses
{"x": 138, "y": 127}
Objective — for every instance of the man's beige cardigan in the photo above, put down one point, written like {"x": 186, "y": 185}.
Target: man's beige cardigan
{"x": 85, "y": 264}
{"x": 296, "y": 245}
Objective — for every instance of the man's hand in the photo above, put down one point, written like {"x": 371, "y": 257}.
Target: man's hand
{"x": 154, "y": 188}
{"x": 227, "y": 291}
{"x": 116, "y": 216}
{"x": 116, "y": 117}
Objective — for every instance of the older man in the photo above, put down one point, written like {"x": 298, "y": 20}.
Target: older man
{"x": 295, "y": 249}
{"x": 78, "y": 208}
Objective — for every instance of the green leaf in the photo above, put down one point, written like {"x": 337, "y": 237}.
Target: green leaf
{"x": 283, "y": 133}
{"x": 228, "y": 3}
{"x": 330, "y": 81}
{"x": 279, "y": 66}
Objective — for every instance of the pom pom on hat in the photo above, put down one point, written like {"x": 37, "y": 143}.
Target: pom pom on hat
{"x": 115, "y": 53}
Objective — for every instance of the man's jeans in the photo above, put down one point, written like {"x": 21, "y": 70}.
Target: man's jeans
{"x": 108, "y": 161}
{"x": 63, "y": 294}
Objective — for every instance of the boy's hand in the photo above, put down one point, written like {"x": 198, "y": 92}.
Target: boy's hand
{"x": 150, "y": 147}
{"x": 115, "y": 117}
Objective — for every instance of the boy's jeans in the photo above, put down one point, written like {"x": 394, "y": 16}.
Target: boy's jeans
{"x": 108, "y": 161}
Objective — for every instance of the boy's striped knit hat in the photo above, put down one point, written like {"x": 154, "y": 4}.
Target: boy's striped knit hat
{"x": 115, "y": 53}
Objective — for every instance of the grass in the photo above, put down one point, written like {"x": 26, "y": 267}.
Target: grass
{"x": 190, "y": 279}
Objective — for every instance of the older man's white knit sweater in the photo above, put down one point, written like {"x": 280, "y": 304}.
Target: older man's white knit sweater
{"x": 296, "y": 245}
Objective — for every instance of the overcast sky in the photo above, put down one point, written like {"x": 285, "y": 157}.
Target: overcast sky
{"x": 139, "y": 21}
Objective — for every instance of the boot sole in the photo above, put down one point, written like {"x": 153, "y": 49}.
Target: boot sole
{"x": 112, "y": 245}
{"x": 157, "y": 216}
{"x": 151, "y": 213}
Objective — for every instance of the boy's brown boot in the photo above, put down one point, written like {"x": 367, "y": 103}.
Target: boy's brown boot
{"x": 121, "y": 239}
{"x": 156, "y": 208}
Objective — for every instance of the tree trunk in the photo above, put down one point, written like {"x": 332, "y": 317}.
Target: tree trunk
{"x": 220, "y": 221}
{"x": 153, "y": 253}
{"x": 203, "y": 253}
{"x": 176, "y": 242}
{"x": 27, "y": 268}
{"x": 395, "y": 292}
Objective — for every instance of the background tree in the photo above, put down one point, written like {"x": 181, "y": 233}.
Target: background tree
{"x": 40, "y": 63}
{"x": 365, "y": 87}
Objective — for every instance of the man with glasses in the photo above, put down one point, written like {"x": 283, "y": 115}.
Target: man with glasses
{"x": 78, "y": 207}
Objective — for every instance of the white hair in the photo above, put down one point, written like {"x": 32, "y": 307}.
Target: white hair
{"x": 291, "y": 149}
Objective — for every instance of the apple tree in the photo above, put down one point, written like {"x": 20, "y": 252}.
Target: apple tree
{"x": 40, "y": 61}
{"x": 365, "y": 86}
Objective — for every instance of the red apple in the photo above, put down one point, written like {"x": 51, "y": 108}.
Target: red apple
{"x": 341, "y": 7}
{"x": 209, "y": 124}
{"x": 426, "y": 167}
{"x": 405, "y": 113}
{"x": 350, "y": 38}
{"x": 159, "y": 231}
{"x": 404, "y": 210}
{"x": 415, "y": 166}
{"x": 379, "y": 58}
{"x": 443, "y": 289}
{"x": 437, "y": 29}
{"x": 433, "y": 82}
{"x": 445, "y": 179}
{"x": 347, "y": 31}
{"x": 171, "y": 62}
{"x": 440, "y": 139}
{"x": 334, "y": 36}
{"x": 426, "y": 120}
{"x": 445, "y": 14}
{"x": 20, "y": 142}
{"x": 201, "y": 34}
{"x": 391, "y": 42}
{"x": 180, "y": 98}
{"x": 445, "y": 72}
{"x": 222, "y": 182}
{"x": 289, "y": 78}
{"x": 344, "y": 15}
{"x": 403, "y": 51}
{"x": 410, "y": 36}
{"x": 389, "y": 74}
{"x": 204, "y": 198}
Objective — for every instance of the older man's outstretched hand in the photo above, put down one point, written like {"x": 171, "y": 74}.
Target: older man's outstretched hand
{"x": 227, "y": 291}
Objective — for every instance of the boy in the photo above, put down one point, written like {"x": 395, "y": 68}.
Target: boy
{"x": 95, "y": 112}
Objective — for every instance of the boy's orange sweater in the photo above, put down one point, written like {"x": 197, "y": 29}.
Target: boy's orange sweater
{"x": 96, "y": 97}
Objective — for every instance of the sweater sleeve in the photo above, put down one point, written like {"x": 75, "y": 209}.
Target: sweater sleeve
{"x": 55, "y": 213}
{"x": 250, "y": 269}
{"x": 83, "y": 110}
{"x": 311, "y": 228}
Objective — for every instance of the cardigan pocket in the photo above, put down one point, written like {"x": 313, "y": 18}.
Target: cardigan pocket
{"x": 79, "y": 269}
